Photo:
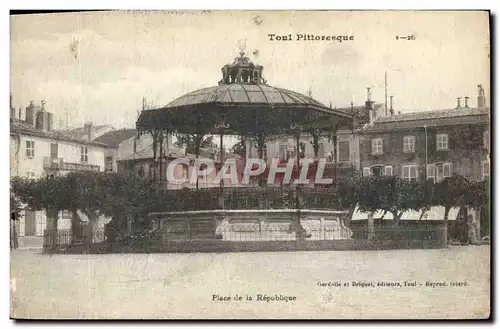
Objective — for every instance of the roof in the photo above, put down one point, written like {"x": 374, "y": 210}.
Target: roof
{"x": 428, "y": 115}
{"x": 147, "y": 153}
{"x": 431, "y": 119}
{"x": 27, "y": 129}
{"x": 80, "y": 131}
{"x": 116, "y": 137}
{"x": 172, "y": 152}
{"x": 243, "y": 93}
{"x": 360, "y": 112}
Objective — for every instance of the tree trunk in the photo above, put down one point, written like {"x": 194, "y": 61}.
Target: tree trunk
{"x": 446, "y": 213}
{"x": 89, "y": 234}
{"x": 14, "y": 243}
{"x": 397, "y": 218}
{"x": 315, "y": 143}
{"x": 51, "y": 215}
{"x": 76, "y": 228}
{"x": 349, "y": 215}
{"x": 244, "y": 147}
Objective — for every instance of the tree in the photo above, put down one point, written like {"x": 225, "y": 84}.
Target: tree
{"x": 95, "y": 194}
{"x": 112, "y": 195}
{"x": 48, "y": 194}
{"x": 390, "y": 194}
{"x": 477, "y": 194}
{"x": 449, "y": 193}
{"x": 15, "y": 210}
{"x": 240, "y": 147}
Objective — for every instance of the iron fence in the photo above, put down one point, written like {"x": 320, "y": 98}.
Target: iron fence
{"x": 250, "y": 232}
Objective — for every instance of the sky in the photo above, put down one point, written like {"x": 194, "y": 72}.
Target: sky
{"x": 96, "y": 67}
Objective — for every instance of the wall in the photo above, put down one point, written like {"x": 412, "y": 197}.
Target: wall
{"x": 14, "y": 158}
{"x": 69, "y": 151}
{"x": 273, "y": 147}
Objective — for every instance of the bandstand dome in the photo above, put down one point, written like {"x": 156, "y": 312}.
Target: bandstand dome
{"x": 244, "y": 93}
{"x": 242, "y": 102}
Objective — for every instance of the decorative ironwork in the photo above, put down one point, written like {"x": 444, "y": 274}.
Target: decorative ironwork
{"x": 50, "y": 163}
{"x": 242, "y": 70}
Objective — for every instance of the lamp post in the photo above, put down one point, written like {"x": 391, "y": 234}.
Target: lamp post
{"x": 300, "y": 232}
{"x": 220, "y": 126}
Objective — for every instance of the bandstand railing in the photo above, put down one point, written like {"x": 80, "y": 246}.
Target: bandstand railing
{"x": 233, "y": 198}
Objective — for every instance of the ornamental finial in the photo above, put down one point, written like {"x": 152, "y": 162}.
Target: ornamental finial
{"x": 242, "y": 45}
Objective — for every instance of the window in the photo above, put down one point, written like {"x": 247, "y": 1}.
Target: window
{"x": 84, "y": 154}
{"x": 388, "y": 171}
{"x": 141, "y": 172}
{"x": 486, "y": 139}
{"x": 439, "y": 171}
{"x": 109, "y": 164}
{"x": 431, "y": 172}
{"x": 378, "y": 171}
{"x": 30, "y": 175}
{"x": 410, "y": 172}
{"x": 446, "y": 170}
{"x": 442, "y": 141}
{"x": 30, "y": 149}
{"x": 344, "y": 151}
{"x": 409, "y": 144}
{"x": 485, "y": 169}
{"x": 53, "y": 150}
{"x": 377, "y": 147}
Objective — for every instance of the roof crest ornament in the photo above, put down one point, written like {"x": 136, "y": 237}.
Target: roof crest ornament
{"x": 242, "y": 70}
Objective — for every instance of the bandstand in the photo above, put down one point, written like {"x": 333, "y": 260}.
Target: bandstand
{"x": 244, "y": 104}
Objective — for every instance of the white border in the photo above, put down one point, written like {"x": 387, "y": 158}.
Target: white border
{"x": 189, "y": 4}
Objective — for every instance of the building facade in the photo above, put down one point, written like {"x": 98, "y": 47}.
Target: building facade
{"x": 428, "y": 145}
{"x": 36, "y": 151}
{"x": 341, "y": 148}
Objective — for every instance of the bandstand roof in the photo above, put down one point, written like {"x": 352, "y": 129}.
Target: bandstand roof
{"x": 242, "y": 103}
{"x": 244, "y": 94}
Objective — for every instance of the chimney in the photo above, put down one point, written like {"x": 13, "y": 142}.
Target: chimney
{"x": 458, "y": 102}
{"x": 466, "y": 101}
{"x": 369, "y": 104}
{"x": 390, "y": 106}
{"x": 43, "y": 105}
{"x": 481, "y": 101}
{"x": 50, "y": 121}
{"x": 12, "y": 109}
{"x": 31, "y": 112}
{"x": 87, "y": 129}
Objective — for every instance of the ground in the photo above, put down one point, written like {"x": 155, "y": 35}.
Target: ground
{"x": 182, "y": 285}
